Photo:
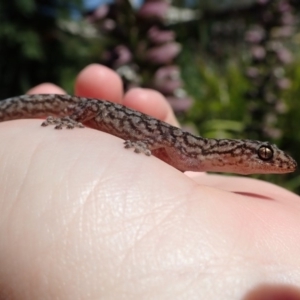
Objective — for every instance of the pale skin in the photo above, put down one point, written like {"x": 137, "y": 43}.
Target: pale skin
{"x": 83, "y": 218}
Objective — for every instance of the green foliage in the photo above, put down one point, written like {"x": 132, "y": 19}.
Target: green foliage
{"x": 34, "y": 48}
{"x": 290, "y": 121}
{"x": 220, "y": 109}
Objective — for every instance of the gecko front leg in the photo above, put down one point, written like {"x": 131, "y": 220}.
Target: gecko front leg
{"x": 75, "y": 115}
{"x": 60, "y": 123}
{"x": 100, "y": 115}
{"x": 139, "y": 146}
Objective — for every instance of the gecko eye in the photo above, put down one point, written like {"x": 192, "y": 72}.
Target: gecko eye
{"x": 265, "y": 152}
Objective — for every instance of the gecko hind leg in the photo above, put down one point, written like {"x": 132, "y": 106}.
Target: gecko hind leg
{"x": 163, "y": 155}
{"x": 139, "y": 147}
{"x": 60, "y": 123}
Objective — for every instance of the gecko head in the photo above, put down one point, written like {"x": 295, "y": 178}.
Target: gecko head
{"x": 247, "y": 157}
{"x": 264, "y": 158}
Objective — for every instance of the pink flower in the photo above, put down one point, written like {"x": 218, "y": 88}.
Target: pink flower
{"x": 285, "y": 56}
{"x": 168, "y": 72}
{"x": 158, "y": 36}
{"x": 98, "y": 14}
{"x": 255, "y": 35}
{"x": 287, "y": 19}
{"x": 282, "y": 32}
{"x": 108, "y": 25}
{"x": 273, "y": 132}
{"x": 284, "y": 6}
{"x": 258, "y": 52}
{"x": 262, "y": 2}
{"x": 168, "y": 86}
{"x": 154, "y": 9}
{"x": 180, "y": 103}
{"x": 167, "y": 79}
{"x": 283, "y": 83}
{"x": 163, "y": 54}
{"x": 281, "y": 107}
{"x": 124, "y": 55}
{"x": 252, "y": 72}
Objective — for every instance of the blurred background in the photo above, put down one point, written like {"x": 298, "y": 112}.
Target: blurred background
{"x": 229, "y": 68}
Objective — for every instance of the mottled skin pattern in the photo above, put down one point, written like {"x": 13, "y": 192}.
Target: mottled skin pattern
{"x": 182, "y": 150}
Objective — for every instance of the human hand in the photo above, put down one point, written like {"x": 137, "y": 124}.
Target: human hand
{"x": 83, "y": 218}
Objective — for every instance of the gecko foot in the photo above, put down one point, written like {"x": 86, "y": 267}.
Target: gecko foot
{"x": 138, "y": 146}
{"x": 60, "y": 123}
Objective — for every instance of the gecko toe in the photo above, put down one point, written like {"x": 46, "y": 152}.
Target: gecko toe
{"x": 139, "y": 147}
{"x": 61, "y": 123}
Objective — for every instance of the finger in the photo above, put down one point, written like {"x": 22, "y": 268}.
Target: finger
{"x": 151, "y": 103}
{"x": 97, "y": 81}
{"x": 46, "y": 88}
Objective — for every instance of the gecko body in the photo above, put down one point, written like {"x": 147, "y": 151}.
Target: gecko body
{"x": 182, "y": 150}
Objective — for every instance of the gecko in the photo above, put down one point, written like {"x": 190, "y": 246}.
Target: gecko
{"x": 145, "y": 134}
